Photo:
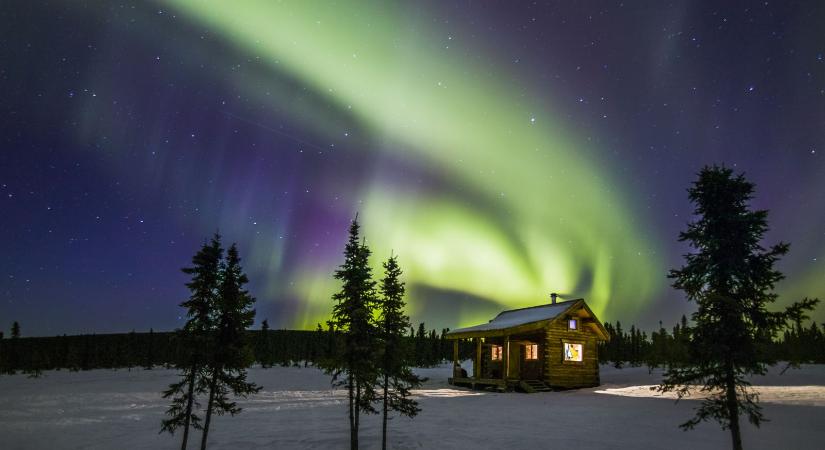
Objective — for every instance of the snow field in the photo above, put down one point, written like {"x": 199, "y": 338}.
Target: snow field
{"x": 297, "y": 409}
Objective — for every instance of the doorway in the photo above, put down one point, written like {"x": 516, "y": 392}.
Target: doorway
{"x": 514, "y": 360}
{"x": 531, "y": 361}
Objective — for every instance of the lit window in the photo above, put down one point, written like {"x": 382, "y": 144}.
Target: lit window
{"x": 572, "y": 352}
{"x": 496, "y": 355}
{"x": 572, "y": 324}
{"x": 531, "y": 351}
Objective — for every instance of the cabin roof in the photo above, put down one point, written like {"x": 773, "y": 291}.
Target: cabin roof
{"x": 523, "y": 316}
{"x": 530, "y": 317}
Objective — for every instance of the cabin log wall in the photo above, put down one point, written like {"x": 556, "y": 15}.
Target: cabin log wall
{"x": 567, "y": 374}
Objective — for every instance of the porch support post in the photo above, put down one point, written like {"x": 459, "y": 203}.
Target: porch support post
{"x": 455, "y": 359}
{"x": 506, "y": 360}
{"x": 477, "y": 365}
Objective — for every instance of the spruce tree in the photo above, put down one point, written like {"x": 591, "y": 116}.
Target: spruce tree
{"x": 264, "y": 350}
{"x": 354, "y": 366}
{"x": 434, "y": 349}
{"x": 205, "y": 273}
{"x": 15, "y": 330}
{"x": 620, "y": 354}
{"x": 397, "y": 376}
{"x": 318, "y": 341}
{"x": 331, "y": 347}
{"x": 130, "y": 355}
{"x": 731, "y": 278}
{"x": 150, "y": 350}
{"x": 680, "y": 354}
{"x": 421, "y": 348}
{"x": 230, "y": 354}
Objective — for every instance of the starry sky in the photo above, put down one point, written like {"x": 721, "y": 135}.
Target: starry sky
{"x": 502, "y": 150}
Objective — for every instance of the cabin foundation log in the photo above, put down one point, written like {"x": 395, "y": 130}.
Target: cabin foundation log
{"x": 485, "y": 383}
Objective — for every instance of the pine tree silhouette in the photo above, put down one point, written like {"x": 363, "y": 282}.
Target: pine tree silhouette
{"x": 422, "y": 354}
{"x": 354, "y": 366}
{"x": 230, "y": 354}
{"x": 264, "y": 353}
{"x": 731, "y": 278}
{"x": 150, "y": 350}
{"x": 397, "y": 376}
{"x": 195, "y": 335}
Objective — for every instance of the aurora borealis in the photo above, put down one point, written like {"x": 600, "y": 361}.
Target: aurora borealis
{"x": 503, "y": 152}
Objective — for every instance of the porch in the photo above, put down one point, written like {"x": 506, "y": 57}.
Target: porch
{"x": 503, "y": 363}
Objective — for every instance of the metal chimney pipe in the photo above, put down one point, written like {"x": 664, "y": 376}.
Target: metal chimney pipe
{"x": 553, "y": 298}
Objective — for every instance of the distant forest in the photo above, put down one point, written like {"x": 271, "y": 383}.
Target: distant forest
{"x": 660, "y": 348}
{"x": 803, "y": 344}
{"x": 147, "y": 350}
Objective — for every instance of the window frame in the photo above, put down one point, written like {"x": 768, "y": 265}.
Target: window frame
{"x": 564, "y": 360}
{"x": 527, "y": 353}
{"x": 496, "y": 355}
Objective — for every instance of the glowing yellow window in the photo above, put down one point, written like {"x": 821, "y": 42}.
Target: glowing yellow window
{"x": 572, "y": 352}
{"x": 531, "y": 351}
{"x": 496, "y": 355}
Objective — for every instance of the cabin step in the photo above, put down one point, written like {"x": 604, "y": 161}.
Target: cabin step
{"x": 531, "y": 386}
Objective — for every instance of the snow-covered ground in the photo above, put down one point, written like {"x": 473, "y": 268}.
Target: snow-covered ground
{"x": 105, "y": 409}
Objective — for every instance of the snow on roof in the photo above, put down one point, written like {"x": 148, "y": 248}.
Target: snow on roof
{"x": 516, "y": 317}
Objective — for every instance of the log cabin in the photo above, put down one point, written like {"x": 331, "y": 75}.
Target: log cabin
{"x": 540, "y": 348}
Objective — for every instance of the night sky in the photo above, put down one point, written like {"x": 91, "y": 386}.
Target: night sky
{"x": 503, "y": 151}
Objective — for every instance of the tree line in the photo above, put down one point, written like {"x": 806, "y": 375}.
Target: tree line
{"x": 664, "y": 348}
{"x": 152, "y": 349}
{"x": 276, "y": 347}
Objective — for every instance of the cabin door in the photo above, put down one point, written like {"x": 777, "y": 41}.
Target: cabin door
{"x": 531, "y": 368}
{"x": 514, "y": 362}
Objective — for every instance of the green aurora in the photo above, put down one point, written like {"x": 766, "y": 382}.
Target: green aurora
{"x": 545, "y": 217}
